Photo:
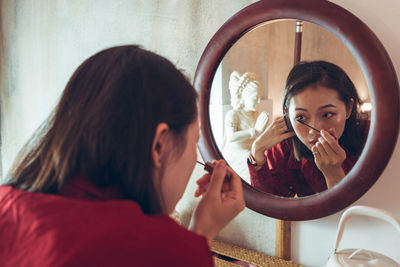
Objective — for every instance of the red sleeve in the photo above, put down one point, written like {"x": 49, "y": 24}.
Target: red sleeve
{"x": 276, "y": 176}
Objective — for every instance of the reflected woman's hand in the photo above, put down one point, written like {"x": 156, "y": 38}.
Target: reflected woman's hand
{"x": 275, "y": 133}
{"x": 329, "y": 157}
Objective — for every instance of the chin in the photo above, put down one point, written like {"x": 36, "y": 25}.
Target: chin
{"x": 309, "y": 146}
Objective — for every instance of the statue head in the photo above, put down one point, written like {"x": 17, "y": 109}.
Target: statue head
{"x": 245, "y": 90}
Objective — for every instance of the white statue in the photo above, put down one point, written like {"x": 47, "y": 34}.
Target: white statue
{"x": 243, "y": 123}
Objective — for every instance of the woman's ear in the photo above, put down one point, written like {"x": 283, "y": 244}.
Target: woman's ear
{"x": 349, "y": 108}
{"x": 160, "y": 140}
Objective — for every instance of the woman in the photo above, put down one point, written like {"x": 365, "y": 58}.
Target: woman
{"x": 318, "y": 140}
{"x": 242, "y": 123}
{"x": 96, "y": 184}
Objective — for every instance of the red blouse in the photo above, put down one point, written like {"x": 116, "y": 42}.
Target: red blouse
{"x": 283, "y": 175}
{"x": 87, "y": 226}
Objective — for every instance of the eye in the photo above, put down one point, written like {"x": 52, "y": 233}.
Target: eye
{"x": 328, "y": 115}
{"x": 299, "y": 118}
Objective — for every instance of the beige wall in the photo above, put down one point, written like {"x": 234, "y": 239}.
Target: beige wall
{"x": 45, "y": 41}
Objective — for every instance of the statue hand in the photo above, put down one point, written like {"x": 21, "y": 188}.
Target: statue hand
{"x": 261, "y": 122}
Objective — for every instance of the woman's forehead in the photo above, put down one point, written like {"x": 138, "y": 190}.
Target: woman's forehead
{"x": 315, "y": 95}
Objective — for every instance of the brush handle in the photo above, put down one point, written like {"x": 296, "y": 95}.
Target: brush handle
{"x": 209, "y": 167}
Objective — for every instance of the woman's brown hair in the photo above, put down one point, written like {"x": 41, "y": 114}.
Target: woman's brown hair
{"x": 104, "y": 125}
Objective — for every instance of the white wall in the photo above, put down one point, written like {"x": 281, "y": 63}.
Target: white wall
{"x": 45, "y": 40}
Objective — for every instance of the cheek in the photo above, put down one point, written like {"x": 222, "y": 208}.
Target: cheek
{"x": 188, "y": 162}
{"x": 194, "y": 159}
{"x": 338, "y": 124}
{"x": 301, "y": 132}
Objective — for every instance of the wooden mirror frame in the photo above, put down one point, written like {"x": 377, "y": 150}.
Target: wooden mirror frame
{"x": 383, "y": 87}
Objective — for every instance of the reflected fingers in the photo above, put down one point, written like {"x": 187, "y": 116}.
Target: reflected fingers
{"x": 281, "y": 126}
{"x": 322, "y": 151}
{"x": 331, "y": 141}
{"x": 332, "y": 147}
{"x": 287, "y": 135}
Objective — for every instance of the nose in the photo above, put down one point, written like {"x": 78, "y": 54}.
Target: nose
{"x": 317, "y": 125}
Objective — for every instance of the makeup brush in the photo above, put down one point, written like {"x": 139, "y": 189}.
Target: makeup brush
{"x": 209, "y": 167}
{"x": 302, "y": 122}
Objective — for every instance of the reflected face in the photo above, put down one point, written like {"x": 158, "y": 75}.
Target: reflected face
{"x": 319, "y": 107}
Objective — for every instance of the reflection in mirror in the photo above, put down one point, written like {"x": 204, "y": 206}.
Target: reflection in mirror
{"x": 267, "y": 52}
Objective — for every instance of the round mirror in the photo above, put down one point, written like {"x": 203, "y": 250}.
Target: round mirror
{"x": 254, "y": 41}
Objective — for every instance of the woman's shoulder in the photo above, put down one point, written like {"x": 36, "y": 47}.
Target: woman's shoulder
{"x": 155, "y": 239}
{"x": 89, "y": 228}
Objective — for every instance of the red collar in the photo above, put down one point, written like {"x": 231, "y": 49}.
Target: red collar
{"x": 80, "y": 187}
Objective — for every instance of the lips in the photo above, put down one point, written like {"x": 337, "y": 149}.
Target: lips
{"x": 313, "y": 142}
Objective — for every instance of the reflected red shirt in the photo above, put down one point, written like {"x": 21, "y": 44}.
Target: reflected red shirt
{"x": 283, "y": 175}
{"x": 87, "y": 226}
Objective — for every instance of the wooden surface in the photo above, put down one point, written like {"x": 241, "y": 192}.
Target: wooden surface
{"x": 233, "y": 253}
{"x": 283, "y": 239}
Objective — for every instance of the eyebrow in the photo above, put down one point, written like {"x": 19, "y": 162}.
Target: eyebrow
{"x": 322, "y": 107}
